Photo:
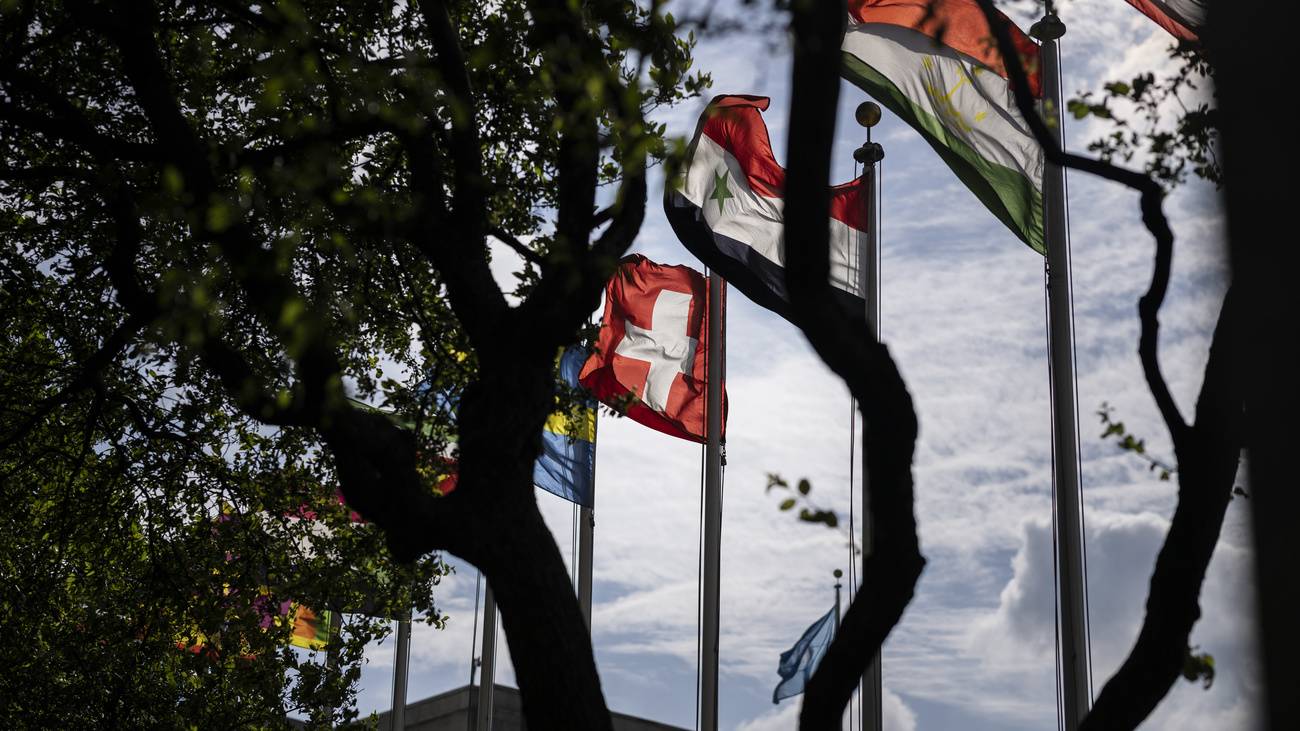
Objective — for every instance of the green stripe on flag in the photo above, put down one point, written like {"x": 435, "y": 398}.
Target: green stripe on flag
{"x": 1006, "y": 192}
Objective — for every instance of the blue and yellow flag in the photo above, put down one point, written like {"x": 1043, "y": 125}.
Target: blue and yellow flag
{"x": 567, "y": 465}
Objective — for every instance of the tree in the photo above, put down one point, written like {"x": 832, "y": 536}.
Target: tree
{"x": 1207, "y": 450}
{"x": 228, "y": 219}
{"x": 1246, "y": 39}
{"x": 148, "y": 577}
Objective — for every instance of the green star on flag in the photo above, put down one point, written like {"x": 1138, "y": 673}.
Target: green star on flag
{"x": 720, "y": 190}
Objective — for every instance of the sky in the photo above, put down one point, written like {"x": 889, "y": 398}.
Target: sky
{"x": 963, "y": 314}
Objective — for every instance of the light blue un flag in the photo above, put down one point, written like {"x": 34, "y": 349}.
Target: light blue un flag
{"x": 799, "y": 662}
{"x": 567, "y": 464}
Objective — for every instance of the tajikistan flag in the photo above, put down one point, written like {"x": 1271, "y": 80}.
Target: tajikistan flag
{"x": 727, "y": 208}
{"x": 935, "y": 64}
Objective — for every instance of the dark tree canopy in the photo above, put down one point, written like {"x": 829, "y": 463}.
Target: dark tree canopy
{"x": 223, "y": 223}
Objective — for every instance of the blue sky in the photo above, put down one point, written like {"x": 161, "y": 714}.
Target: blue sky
{"x": 963, "y": 313}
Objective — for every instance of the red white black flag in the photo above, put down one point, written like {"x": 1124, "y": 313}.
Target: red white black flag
{"x": 1182, "y": 18}
{"x": 728, "y": 208}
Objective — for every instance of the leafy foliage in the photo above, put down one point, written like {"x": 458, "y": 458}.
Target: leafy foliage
{"x": 222, "y": 224}
{"x": 800, "y": 496}
{"x": 1138, "y": 110}
{"x": 1128, "y": 442}
{"x": 1199, "y": 667}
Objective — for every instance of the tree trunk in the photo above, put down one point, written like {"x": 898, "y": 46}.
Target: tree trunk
{"x": 1207, "y": 454}
{"x": 549, "y": 643}
{"x": 1248, "y": 41}
{"x": 893, "y": 564}
{"x": 501, "y": 421}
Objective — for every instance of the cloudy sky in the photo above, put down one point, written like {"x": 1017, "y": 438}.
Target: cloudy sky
{"x": 963, "y": 313}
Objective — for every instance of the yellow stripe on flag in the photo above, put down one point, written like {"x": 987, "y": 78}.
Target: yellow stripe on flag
{"x": 581, "y": 426}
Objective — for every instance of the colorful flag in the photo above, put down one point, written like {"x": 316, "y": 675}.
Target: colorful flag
{"x": 567, "y": 464}
{"x": 650, "y": 357}
{"x": 312, "y": 630}
{"x": 727, "y": 208}
{"x": 799, "y": 662}
{"x": 1182, "y": 18}
{"x": 934, "y": 63}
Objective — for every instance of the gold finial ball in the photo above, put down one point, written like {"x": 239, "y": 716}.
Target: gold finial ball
{"x": 838, "y": 573}
{"x": 868, "y": 114}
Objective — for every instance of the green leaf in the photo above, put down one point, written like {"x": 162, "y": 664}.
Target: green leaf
{"x": 804, "y": 487}
{"x": 787, "y": 503}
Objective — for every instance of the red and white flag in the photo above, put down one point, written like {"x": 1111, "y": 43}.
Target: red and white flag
{"x": 650, "y": 359}
{"x": 1182, "y": 18}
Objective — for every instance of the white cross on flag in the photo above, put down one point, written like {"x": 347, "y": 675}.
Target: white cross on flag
{"x": 649, "y": 361}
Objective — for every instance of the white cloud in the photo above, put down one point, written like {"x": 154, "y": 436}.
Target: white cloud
{"x": 1017, "y": 639}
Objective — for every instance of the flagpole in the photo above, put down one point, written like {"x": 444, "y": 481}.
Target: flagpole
{"x": 1071, "y": 568}
{"x": 332, "y": 658}
{"x": 401, "y": 666}
{"x": 712, "y": 509}
{"x": 868, "y": 115}
{"x": 838, "y": 574}
{"x": 586, "y": 534}
{"x": 487, "y": 669}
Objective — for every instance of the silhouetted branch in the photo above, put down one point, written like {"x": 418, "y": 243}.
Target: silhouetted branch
{"x": 1207, "y": 456}
{"x": 519, "y": 247}
{"x": 893, "y": 563}
{"x": 576, "y": 268}
{"x": 1153, "y": 217}
{"x": 1207, "y": 452}
{"x": 458, "y": 251}
{"x": 90, "y": 369}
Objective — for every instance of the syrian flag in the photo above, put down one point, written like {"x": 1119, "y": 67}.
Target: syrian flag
{"x": 649, "y": 362}
{"x": 934, "y": 64}
{"x": 727, "y": 207}
{"x": 1182, "y": 18}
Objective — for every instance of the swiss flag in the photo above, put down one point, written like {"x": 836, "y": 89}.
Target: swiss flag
{"x": 650, "y": 359}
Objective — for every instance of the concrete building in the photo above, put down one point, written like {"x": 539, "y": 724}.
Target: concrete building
{"x": 455, "y": 711}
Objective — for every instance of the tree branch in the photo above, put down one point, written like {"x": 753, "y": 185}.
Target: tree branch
{"x": 519, "y": 247}
{"x": 90, "y": 369}
{"x": 462, "y": 258}
{"x": 238, "y": 377}
{"x": 1207, "y": 452}
{"x": 893, "y": 564}
{"x": 271, "y": 293}
{"x": 577, "y": 269}
{"x": 75, "y": 129}
{"x": 1207, "y": 466}
{"x": 1153, "y": 217}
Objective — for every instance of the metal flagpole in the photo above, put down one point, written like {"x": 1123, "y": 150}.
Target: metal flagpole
{"x": 487, "y": 673}
{"x": 868, "y": 115}
{"x": 332, "y": 658}
{"x": 712, "y": 509}
{"x": 1071, "y": 572}
{"x": 838, "y": 574}
{"x": 586, "y": 534}
{"x": 401, "y": 667}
